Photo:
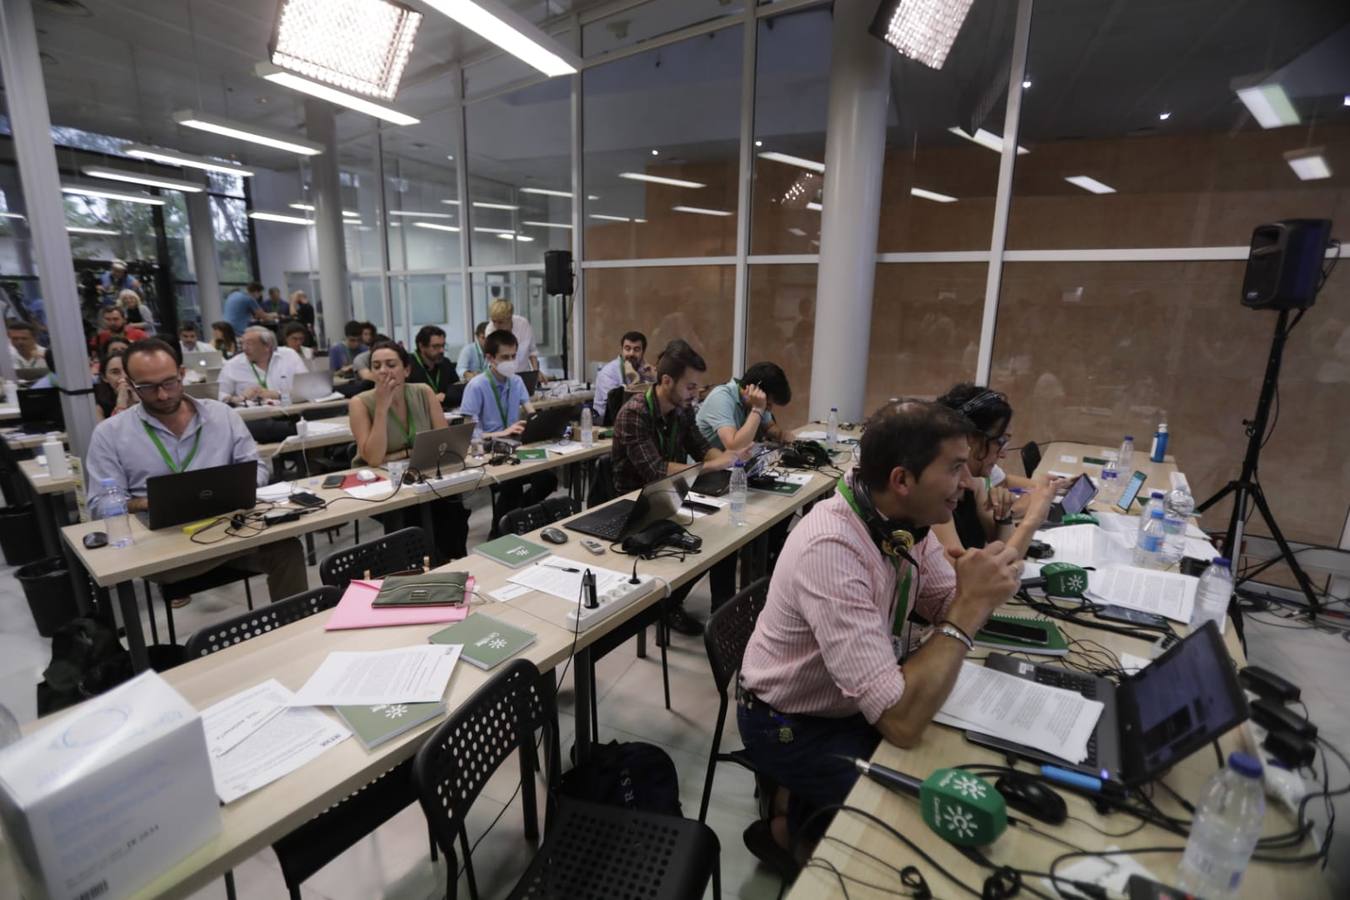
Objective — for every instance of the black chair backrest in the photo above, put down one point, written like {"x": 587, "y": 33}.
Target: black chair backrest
{"x": 528, "y": 518}
{"x": 602, "y": 483}
{"x": 259, "y": 621}
{"x": 464, "y": 751}
{"x": 396, "y": 552}
{"x": 1031, "y": 458}
{"x": 728, "y": 631}
{"x": 616, "y": 398}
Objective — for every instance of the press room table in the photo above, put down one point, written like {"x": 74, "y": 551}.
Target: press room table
{"x": 292, "y": 653}
{"x": 262, "y": 411}
{"x": 942, "y": 746}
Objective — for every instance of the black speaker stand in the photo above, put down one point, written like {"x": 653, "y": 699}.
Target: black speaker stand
{"x": 1247, "y": 485}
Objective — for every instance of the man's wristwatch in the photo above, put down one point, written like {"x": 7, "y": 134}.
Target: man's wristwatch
{"x": 952, "y": 631}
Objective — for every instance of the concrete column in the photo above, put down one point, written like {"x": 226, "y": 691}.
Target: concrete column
{"x": 334, "y": 285}
{"x": 855, "y": 146}
{"x": 203, "y": 234}
{"x": 31, "y": 126}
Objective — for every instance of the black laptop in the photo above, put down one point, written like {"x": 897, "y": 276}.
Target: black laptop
{"x": 660, "y": 499}
{"x": 201, "y": 493}
{"x": 531, "y": 379}
{"x": 547, "y": 424}
{"x": 1153, "y": 719}
{"x": 40, "y": 410}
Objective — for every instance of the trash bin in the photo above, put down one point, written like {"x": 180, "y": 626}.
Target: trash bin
{"x": 46, "y": 584}
{"x": 20, "y": 540}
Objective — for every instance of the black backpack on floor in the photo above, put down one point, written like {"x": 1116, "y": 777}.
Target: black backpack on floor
{"x": 633, "y": 775}
{"x": 87, "y": 659}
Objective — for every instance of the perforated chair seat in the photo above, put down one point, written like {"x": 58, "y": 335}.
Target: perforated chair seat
{"x": 594, "y": 851}
{"x": 528, "y": 518}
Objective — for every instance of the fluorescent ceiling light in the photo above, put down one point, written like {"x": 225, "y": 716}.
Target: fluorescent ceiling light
{"x": 814, "y": 207}
{"x": 354, "y": 222}
{"x": 415, "y": 214}
{"x": 931, "y": 195}
{"x": 546, "y": 192}
{"x": 240, "y": 131}
{"x": 1164, "y": 116}
{"x": 269, "y": 72}
{"x": 797, "y": 231}
{"x": 309, "y": 207}
{"x": 658, "y": 179}
{"x": 1026, "y": 85}
{"x": 515, "y": 237}
{"x": 10, "y": 215}
{"x": 514, "y": 34}
{"x": 451, "y": 202}
{"x": 172, "y": 184}
{"x": 485, "y": 230}
{"x": 110, "y": 194}
{"x": 175, "y": 158}
{"x": 483, "y": 204}
{"x": 923, "y": 30}
{"x": 75, "y": 229}
{"x": 434, "y": 226}
{"x": 1090, "y": 184}
{"x": 547, "y": 224}
{"x": 702, "y": 212}
{"x": 605, "y": 218}
{"x": 1347, "y": 100}
{"x": 1269, "y": 105}
{"x": 797, "y": 161}
{"x": 355, "y": 45}
{"x": 280, "y": 217}
{"x": 1309, "y": 164}
{"x": 986, "y": 139}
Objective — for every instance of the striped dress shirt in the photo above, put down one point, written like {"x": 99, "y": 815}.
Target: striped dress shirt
{"x": 822, "y": 645}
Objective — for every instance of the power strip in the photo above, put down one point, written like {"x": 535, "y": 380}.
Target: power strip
{"x": 611, "y": 601}
{"x": 445, "y": 481}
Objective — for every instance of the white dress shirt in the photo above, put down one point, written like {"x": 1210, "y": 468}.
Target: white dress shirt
{"x": 238, "y": 373}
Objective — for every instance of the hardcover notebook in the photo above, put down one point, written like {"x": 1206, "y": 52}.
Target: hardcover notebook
{"x": 487, "y": 641}
{"x": 355, "y": 609}
{"x": 512, "y": 551}
{"x": 530, "y": 453}
{"x": 373, "y": 725}
{"x": 1040, "y": 637}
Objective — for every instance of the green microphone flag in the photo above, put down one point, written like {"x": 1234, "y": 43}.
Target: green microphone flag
{"x": 957, "y": 805}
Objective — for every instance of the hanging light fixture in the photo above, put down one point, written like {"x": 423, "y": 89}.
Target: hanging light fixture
{"x": 359, "y": 46}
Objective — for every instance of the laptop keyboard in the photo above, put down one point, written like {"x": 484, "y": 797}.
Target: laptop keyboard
{"x": 1079, "y": 684}
{"x": 608, "y": 523}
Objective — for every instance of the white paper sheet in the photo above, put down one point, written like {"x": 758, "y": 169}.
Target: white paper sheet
{"x": 1131, "y": 663}
{"x": 1085, "y": 545}
{"x": 1052, "y": 720}
{"x": 1125, "y": 526}
{"x": 1068, "y": 459}
{"x": 314, "y": 429}
{"x": 1200, "y": 549}
{"x": 564, "y": 448}
{"x": 1165, "y": 593}
{"x": 275, "y": 493}
{"x": 415, "y": 674}
{"x": 508, "y": 592}
{"x": 550, "y": 576}
{"x": 374, "y": 490}
{"x": 256, "y": 737}
{"x": 811, "y": 435}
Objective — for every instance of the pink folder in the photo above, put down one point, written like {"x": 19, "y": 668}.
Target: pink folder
{"x": 354, "y": 609}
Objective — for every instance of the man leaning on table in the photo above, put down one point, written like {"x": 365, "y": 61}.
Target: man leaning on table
{"x": 263, "y": 371}
{"x": 170, "y": 432}
{"x": 829, "y": 670}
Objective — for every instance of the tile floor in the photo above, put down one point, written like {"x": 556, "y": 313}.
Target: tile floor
{"x": 394, "y": 861}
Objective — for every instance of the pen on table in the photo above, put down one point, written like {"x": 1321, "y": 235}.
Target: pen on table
{"x": 560, "y": 568}
{"x": 1018, "y": 491}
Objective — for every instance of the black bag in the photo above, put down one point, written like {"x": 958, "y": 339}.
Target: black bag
{"x": 87, "y": 659}
{"x": 633, "y": 775}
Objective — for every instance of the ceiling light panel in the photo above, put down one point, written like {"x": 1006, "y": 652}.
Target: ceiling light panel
{"x": 483, "y": 204}
{"x": 1090, "y": 184}
{"x": 417, "y": 214}
{"x": 283, "y": 218}
{"x": 699, "y": 211}
{"x": 799, "y": 162}
{"x": 309, "y": 207}
{"x": 110, "y": 194}
{"x": 75, "y": 229}
{"x": 986, "y": 139}
{"x": 189, "y": 118}
{"x": 170, "y": 184}
{"x": 661, "y": 179}
{"x": 269, "y": 72}
{"x": 931, "y": 195}
{"x": 1309, "y": 164}
{"x": 548, "y": 225}
{"x": 546, "y": 192}
{"x": 434, "y": 226}
{"x": 360, "y": 46}
{"x": 175, "y": 158}
{"x": 496, "y": 22}
{"x": 923, "y": 30}
{"x": 1269, "y": 105}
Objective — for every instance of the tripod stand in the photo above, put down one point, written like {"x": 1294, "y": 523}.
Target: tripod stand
{"x": 1247, "y": 486}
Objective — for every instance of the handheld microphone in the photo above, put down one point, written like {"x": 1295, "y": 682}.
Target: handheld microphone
{"x": 1060, "y": 579}
{"x": 958, "y": 806}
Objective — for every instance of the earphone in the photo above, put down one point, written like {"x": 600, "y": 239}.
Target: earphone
{"x": 893, "y": 539}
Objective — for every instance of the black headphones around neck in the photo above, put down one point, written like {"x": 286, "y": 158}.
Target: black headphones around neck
{"x": 893, "y": 538}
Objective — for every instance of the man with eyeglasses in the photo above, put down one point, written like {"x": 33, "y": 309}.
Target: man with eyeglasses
{"x": 263, "y": 371}
{"x": 170, "y": 432}
{"x": 430, "y": 365}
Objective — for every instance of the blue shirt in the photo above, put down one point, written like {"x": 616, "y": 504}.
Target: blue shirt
{"x": 723, "y": 406}
{"x": 481, "y": 403}
{"x": 340, "y": 355}
{"x": 471, "y": 358}
{"x": 239, "y": 310}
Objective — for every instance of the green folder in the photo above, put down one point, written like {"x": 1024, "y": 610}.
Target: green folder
{"x": 487, "y": 641}
{"x": 1050, "y": 643}
{"x": 373, "y": 725}
{"x": 512, "y": 551}
{"x": 777, "y": 487}
{"x": 528, "y": 453}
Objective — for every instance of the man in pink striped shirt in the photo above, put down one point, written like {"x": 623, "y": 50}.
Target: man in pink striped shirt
{"x": 830, "y": 668}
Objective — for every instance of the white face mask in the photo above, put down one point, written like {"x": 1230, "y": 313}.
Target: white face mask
{"x": 506, "y": 368}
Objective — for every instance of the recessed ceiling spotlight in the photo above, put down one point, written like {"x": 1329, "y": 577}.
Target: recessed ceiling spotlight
{"x": 1164, "y": 116}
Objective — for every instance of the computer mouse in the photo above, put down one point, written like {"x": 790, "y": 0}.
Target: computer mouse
{"x": 1030, "y": 796}
{"x": 95, "y": 539}
{"x": 554, "y": 535}
{"x": 365, "y": 475}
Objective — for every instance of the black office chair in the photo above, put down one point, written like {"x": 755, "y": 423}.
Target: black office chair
{"x": 602, "y": 483}
{"x": 614, "y": 400}
{"x": 1031, "y": 458}
{"x": 725, "y": 638}
{"x": 528, "y": 518}
{"x": 217, "y": 577}
{"x": 255, "y": 623}
{"x": 398, "y": 551}
{"x": 588, "y": 849}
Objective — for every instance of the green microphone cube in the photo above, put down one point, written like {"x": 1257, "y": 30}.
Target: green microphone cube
{"x": 962, "y": 808}
{"x": 1064, "y": 580}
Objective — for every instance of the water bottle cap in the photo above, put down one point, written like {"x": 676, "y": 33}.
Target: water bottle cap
{"x": 1244, "y": 764}
{"x": 1158, "y": 494}
{"x": 1129, "y": 437}
{"x": 1223, "y": 562}
{"x": 1156, "y": 514}
{"x": 834, "y": 409}
{"x": 740, "y": 464}
{"x": 106, "y": 482}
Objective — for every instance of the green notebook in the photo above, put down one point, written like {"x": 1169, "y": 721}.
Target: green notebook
{"x": 774, "y": 486}
{"x": 512, "y": 551}
{"x": 1037, "y": 636}
{"x": 373, "y": 725}
{"x": 487, "y": 641}
{"x": 529, "y": 453}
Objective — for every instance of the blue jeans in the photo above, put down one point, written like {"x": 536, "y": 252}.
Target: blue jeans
{"x": 811, "y": 756}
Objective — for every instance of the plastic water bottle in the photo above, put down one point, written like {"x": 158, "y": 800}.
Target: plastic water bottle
{"x": 1174, "y": 538}
{"x": 1108, "y": 488}
{"x": 587, "y": 433}
{"x": 832, "y": 427}
{"x": 1126, "y": 454}
{"x": 1226, "y": 828}
{"x": 1148, "y": 549}
{"x": 738, "y": 489}
{"x": 54, "y": 449}
{"x": 1159, "y": 443}
{"x": 112, "y": 509}
{"x": 1155, "y": 501}
{"x": 1213, "y": 595}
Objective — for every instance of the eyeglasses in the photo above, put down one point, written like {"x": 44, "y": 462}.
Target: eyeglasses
{"x": 167, "y": 386}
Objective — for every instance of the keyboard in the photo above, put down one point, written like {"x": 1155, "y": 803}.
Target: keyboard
{"x": 607, "y": 523}
{"x": 1079, "y": 684}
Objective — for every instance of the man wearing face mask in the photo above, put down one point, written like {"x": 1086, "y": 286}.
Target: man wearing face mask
{"x": 628, "y": 370}
{"x": 496, "y": 399}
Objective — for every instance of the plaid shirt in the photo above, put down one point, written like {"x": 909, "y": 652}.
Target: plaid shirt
{"x": 642, "y": 448}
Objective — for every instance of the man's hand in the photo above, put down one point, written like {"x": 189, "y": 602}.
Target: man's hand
{"x": 252, "y": 392}
{"x": 515, "y": 429}
{"x": 440, "y": 398}
{"x": 985, "y": 579}
{"x": 753, "y": 396}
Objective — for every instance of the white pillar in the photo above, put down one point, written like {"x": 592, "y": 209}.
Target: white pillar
{"x": 31, "y": 127}
{"x": 334, "y": 286}
{"x": 855, "y": 147}
{"x": 203, "y": 233}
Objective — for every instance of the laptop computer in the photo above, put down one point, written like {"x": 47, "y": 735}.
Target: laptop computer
{"x": 660, "y": 499}
{"x": 454, "y": 395}
{"x": 40, "y": 410}
{"x": 531, "y": 379}
{"x": 1076, "y": 499}
{"x": 319, "y": 363}
{"x": 715, "y": 484}
{"x": 201, "y": 493}
{"x": 441, "y": 450}
{"x": 201, "y": 360}
{"x": 203, "y": 390}
{"x": 547, "y": 424}
{"x": 308, "y": 386}
{"x": 1153, "y": 719}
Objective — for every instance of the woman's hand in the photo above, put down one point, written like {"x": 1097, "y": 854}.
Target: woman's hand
{"x": 1039, "y": 500}
{"x": 386, "y": 386}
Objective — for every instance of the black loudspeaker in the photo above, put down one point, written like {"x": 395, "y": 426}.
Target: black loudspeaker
{"x": 1284, "y": 267}
{"x": 558, "y": 272}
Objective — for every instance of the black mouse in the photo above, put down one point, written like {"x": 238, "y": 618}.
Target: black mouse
{"x": 1030, "y": 796}
{"x": 553, "y": 535}
{"x": 95, "y": 539}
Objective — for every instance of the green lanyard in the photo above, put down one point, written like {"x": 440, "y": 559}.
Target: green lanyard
{"x": 262, "y": 379}
{"x": 901, "y": 583}
{"x": 435, "y": 382}
{"x": 496, "y": 395}
{"x": 661, "y": 435}
{"x": 168, "y": 460}
{"x": 408, "y": 425}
